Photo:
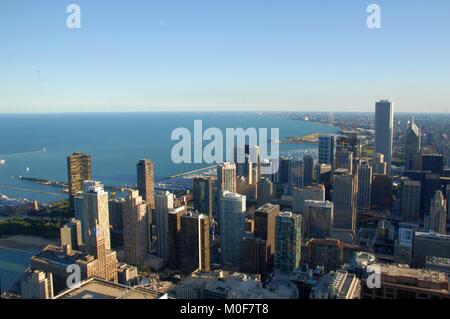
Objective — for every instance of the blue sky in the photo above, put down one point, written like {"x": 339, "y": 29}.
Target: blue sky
{"x": 220, "y": 55}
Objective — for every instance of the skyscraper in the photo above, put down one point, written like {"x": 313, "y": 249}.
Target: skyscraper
{"x": 203, "y": 195}
{"x": 432, "y": 162}
{"x": 247, "y": 160}
{"x": 193, "y": 243}
{"x": 438, "y": 214}
{"x": 164, "y": 204}
{"x": 265, "y": 191}
{"x": 344, "y": 159}
{"x": 296, "y": 176}
{"x": 71, "y": 234}
{"x": 91, "y": 209}
{"x": 300, "y": 195}
{"x": 136, "y": 237}
{"x": 447, "y": 196}
{"x": 308, "y": 170}
{"x": 146, "y": 181}
{"x": 384, "y": 130}
{"x": 344, "y": 201}
{"x": 379, "y": 166}
{"x": 382, "y": 191}
{"x": 317, "y": 220}
{"x": 78, "y": 171}
{"x": 226, "y": 177}
{"x": 264, "y": 219}
{"x": 410, "y": 201}
{"x": 429, "y": 244}
{"x": 37, "y": 285}
{"x": 232, "y": 208}
{"x": 364, "y": 186}
{"x": 327, "y": 149}
{"x": 412, "y": 146}
{"x": 288, "y": 241}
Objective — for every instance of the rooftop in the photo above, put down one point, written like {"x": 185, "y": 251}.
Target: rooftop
{"x": 95, "y": 288}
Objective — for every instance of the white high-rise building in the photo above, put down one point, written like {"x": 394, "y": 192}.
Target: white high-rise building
{"x": 384, "y": 130}
{"x": 226, "y": 177}
{"x": 136, "y": 225}
{"x": 91, "y": 209}
{"x": 164, "y": 204}
{"x": 232, "y": 209}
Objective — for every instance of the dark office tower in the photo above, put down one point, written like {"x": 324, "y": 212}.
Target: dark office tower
{"x": 382, "y": 191}
{"x": 70, "y": 234}
{"x": 253, "y": 255}
{"x": 433, "y": 163}
{"x": 378, "y": 164}
{"x": 364, "y": 186}
{"x": 146, "y": 181}
{"x": 410, "y": 201}
{"x": 345, "y": 201}
{"x": 308, "y": 170}
{"x": 384, "y": 130}
{"x": 288, "y": 241}
{"x": 78, "y": 171}
{"x": 430, "y": 185}
{"x": 173, "y": 229}
{"x": 296, "y": 176}
{"x": 265, "y": 229}
{"x": 203, "y": 195}
{"x": 136, "y": 236}
{"x": 116, "y": 213}
{"x": 283, "y": 171}
{"x": 317, "y": 219}
{"x": 329, "y": 253}
{"x": 193, "y": 243}
{"x": 412, "y": 146}
{"x": 344, "y": 159}
{"x": 265, "y": 191}
{"x": 429, "y": 245}
{"x": 327, "y": 149}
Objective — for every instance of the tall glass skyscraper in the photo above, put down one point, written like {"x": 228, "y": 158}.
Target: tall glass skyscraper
{"x": 232, "y": 208}
{"x": 327, "y": 149}
{"x": 384, "y": 130}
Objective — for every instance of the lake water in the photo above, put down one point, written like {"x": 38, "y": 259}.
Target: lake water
{"x": 13, "y": 262}
{"x": 116, "y": 142}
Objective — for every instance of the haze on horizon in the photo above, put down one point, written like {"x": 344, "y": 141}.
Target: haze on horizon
{"x": 203, "y": 55}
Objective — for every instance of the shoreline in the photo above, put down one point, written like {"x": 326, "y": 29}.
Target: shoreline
{"x": 24, "y": 243}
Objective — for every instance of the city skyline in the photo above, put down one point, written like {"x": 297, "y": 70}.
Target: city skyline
{"x": 226, "y": 151}
{"x": 152, "y": 56}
